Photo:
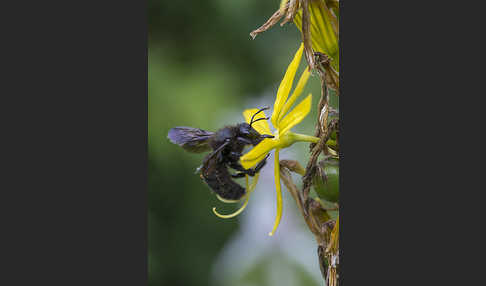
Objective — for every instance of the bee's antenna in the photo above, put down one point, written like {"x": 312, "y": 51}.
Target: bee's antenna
{"x": 262, "y": 109}
{"x": 263, "y": 118}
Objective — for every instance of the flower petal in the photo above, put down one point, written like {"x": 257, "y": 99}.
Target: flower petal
{"x": 296, "y": 115}
{"x": 261, "y": 126}
{"x": 257, "y": 154}
{"x": 286, "y": 85}
{"x": 249, "y": 189}
{"x": 279, "y": 193}
{"x": 226, "y": 201}
{"x": 324, "y": 28}
{"x": 297, "y": 92}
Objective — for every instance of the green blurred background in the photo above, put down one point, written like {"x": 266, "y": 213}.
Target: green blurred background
{"x": 204, "y": 70}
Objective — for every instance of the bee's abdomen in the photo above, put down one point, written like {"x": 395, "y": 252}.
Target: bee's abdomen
{"x": 220, "y": 181}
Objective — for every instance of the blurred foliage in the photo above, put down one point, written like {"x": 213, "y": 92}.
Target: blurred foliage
{"x": 275, "y": 269}
{"x": 203, "y": 68}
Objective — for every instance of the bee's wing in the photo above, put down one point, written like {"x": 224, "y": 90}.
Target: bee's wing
{"x": 191, "y": 139}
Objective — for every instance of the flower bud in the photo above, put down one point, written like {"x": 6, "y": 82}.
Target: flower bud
{"x": 326, "y": 180}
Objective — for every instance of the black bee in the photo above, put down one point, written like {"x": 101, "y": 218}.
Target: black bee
{"x": 227, "y": 144}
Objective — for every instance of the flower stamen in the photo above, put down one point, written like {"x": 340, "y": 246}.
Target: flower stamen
{"x": 249, "y": 188}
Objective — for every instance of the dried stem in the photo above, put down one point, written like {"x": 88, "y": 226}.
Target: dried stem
{"x": 318, "y": 221}
{"x": 270, "y": 22}
{"x": 306, "y": 34}
{"x": 326, "y": 72}
{"x": 295, "y": 192}
{"x": 292, "y": 10}
{"x": 327, "y": 234}
{"x": 332, "y": 255}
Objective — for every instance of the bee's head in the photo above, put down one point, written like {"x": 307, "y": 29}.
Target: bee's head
{"x": 249, "y": 132}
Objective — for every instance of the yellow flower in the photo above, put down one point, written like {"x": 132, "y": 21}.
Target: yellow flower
{"x": 283, "y": 122}
{"x": 324, "y": 29}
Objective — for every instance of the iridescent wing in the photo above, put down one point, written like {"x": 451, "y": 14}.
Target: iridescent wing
{"x": 194, "y": 140}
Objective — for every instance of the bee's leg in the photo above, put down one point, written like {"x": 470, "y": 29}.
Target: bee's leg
{"x": 218, "y": 151}
{"x": 244, "y": 140}
{"x": 258, "y": 167}
{"x": 220, "y": 157}
{"x": 237, "y": 166}
{"x": 234, "y": 156}
{"x": 261, "y": 164}
{"x": 238, "y": 175}
{"x": 250, "y": 172}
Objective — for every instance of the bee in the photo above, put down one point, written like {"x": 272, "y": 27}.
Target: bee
{"x": 227, "y": 145}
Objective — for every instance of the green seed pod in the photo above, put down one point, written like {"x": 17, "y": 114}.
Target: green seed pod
{"x": 326, "y": 180}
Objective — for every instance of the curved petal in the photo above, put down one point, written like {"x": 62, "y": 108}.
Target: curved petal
{"x": 286, "y": 85}
{"x": 279, "y": 193}
{"x": 297, "y": 92}
{"x": 261, "y": 126}
{"x": 258, "y": 152}
{"x": 235, "y": 213}
{"x": 250, "y": 189}
{"x": 296, "y": 115}
{"x": 226, "y": 201}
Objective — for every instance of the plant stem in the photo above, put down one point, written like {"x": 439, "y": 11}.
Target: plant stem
{"x": 305, "y": 138}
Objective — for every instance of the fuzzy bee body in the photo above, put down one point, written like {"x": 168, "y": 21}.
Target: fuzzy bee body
{"x": 227, "y": 145}
{"x": 218, "y": 178}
